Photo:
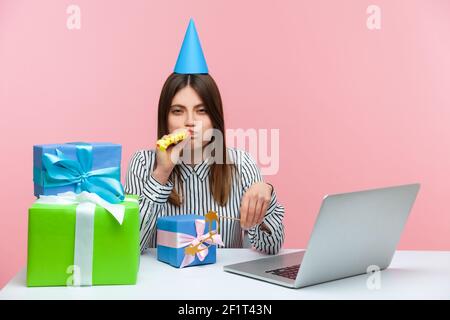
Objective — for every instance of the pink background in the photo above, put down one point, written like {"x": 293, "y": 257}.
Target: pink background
{"x": 356, "y": 108}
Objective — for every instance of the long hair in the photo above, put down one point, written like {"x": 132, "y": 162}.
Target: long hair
{"x": 221, "y": 172}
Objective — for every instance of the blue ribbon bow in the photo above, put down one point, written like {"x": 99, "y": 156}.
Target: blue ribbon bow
{"x": 61, "y": 171}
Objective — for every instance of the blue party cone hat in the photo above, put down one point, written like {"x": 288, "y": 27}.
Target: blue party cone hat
{"x": 191, "y": 59}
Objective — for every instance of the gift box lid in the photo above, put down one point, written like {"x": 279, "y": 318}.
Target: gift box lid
{"x": 106, "y": 154}
{"x": 181, "y": 223}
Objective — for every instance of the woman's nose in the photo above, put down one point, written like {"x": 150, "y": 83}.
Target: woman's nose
{"x": 190, "y": 118}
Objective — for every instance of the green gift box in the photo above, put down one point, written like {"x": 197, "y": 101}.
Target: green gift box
{"x": 112, "y": 252}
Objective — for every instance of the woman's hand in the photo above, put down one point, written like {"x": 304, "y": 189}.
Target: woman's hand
{"x": 166, "y": 160}
{"x": 254, "y": 204}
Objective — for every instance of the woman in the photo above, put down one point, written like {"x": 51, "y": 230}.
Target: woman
{"x": 184, "y": 179}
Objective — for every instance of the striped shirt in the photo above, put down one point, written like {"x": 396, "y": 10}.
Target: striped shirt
{"x": 198, "y": 199}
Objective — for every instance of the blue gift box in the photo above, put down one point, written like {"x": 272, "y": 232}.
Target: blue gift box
{"x": 78, "y": 166}
{"x": 184, "y": 224}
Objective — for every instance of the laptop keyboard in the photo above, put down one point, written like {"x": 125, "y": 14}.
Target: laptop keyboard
{"x": 287, "y": 272}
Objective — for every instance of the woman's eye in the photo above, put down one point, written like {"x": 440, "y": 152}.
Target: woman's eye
{"x": 176, "y": 111}
{"x": 202, "y": 110}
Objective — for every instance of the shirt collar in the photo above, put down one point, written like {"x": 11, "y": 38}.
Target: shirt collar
{"x": 201, "y": 170}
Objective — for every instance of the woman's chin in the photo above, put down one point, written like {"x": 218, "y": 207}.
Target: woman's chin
{"x": 194, "y": 144}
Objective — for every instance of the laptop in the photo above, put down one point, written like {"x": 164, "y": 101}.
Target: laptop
{"x": 353, "y": 232}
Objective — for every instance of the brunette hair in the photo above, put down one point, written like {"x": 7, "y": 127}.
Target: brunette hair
{"x": 221, "y": 172}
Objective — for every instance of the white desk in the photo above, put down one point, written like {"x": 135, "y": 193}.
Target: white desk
{"x": 412, "y": 275}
